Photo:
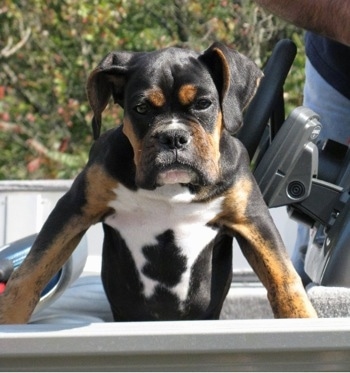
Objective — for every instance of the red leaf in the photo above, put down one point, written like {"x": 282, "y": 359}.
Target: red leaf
{"x": 2, "y": 92}
{"x": 34, "y": 165}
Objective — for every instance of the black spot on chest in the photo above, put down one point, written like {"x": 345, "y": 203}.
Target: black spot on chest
{"x": 165, "y": 263}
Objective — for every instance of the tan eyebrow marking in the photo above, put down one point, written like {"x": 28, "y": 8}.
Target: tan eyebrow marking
{"x": 187, "y": 94}
{"x": 155, "y": 96}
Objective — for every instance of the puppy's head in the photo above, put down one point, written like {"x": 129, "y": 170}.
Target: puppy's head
{"x": 177, "y": 106}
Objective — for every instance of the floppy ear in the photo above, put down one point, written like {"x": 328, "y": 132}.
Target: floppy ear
{"x": 236, "y": 78}
{"x": 106, "y": 80}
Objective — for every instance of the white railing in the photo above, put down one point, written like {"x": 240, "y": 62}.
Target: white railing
{"x": 25, "y": 205}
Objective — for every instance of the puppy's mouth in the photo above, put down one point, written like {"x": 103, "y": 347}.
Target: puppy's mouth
{"x": 177, "y": 173}
{"x": 176, "y": 176}
{"x": 166, "y": 168}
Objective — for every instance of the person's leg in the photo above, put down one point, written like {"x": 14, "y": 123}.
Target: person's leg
{"x": 334, "y": 111}
{"x": 332, "y": 107}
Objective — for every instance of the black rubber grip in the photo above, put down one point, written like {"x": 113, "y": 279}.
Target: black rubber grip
{"x": 267, "y": 95}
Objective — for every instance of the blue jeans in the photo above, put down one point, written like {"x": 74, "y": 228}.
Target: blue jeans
{"x": 334, "y": 111}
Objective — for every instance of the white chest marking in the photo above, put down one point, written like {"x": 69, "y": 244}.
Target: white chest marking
{"x": 143, "y": 215}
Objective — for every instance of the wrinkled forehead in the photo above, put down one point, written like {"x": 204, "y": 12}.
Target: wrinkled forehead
{"x": 168, "y": 71}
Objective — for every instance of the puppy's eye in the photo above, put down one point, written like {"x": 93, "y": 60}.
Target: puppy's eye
{"x": 202, "y": 104}
{"x": 142, "y": 108}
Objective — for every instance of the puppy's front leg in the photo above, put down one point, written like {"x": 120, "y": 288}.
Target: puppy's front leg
{"x": 83, "y": 205}
{"x": 246, "y": 214}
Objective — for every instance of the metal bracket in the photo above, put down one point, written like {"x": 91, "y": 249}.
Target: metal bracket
{"x": 286, "y": 171}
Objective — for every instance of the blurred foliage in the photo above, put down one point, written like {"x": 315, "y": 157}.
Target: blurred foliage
{"x": 48, "y": 48}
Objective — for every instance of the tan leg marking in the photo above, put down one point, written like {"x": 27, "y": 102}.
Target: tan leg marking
{"x": 265, "y": 252}
{"x": 27, "y": 282}
{"x": 99, "y": 192}
{"x": 53, "y": 248}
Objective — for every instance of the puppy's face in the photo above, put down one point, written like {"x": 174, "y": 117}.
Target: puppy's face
{"x": 173, "y": 120}
{"x": 177, "y": 104}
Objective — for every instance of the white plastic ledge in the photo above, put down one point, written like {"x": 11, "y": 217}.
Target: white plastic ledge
{"x": 273, "y": 345}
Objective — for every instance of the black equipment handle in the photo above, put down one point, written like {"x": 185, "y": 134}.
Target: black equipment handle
{"x": 268, "y": 96}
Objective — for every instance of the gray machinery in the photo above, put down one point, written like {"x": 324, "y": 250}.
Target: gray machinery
{"x": 312, "y": 181}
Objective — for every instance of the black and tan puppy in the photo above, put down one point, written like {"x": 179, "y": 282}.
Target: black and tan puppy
{"x": 172, "y": 187}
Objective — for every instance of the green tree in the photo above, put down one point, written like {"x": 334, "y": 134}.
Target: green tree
{"x": 48, "y": 48}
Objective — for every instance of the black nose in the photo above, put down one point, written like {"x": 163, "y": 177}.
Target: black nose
{"x": 178, "y": 139}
